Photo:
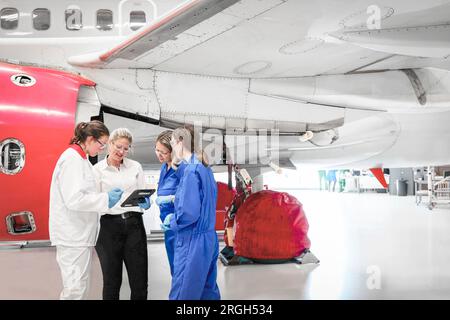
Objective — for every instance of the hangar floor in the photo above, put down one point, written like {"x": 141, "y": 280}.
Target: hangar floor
{"x": 371, "y": 246}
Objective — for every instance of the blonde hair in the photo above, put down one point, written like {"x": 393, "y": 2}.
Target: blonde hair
{"x": 120, "y": 133}
{"x": 164, "y": 138}
{"x": 190, "y": 142}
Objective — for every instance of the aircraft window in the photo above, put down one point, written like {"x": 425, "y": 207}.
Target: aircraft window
{"x": 104, "y": 20}
{"x": 137, "y": 20}
{"x": 74, "y": 19}
{"x": 41, "y": 19}
{"x": 9, "y": 18}
{"x": 12, "y": 156}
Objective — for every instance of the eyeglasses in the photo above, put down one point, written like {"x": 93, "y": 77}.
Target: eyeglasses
{"x": 121, "y": 148}
{"x": 102, "y": 145}
{"x": 161, "y": 152}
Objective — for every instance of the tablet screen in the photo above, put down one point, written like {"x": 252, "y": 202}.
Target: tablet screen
{"x": 136, "y": 197}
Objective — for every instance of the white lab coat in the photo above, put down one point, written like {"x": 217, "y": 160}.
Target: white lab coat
{"x": 129, "y": 178}
{"x": 75, "y": 202}
{"x": 75, "y": 264}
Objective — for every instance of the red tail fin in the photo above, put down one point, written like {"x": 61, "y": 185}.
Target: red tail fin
{"x": 378, "y": 173}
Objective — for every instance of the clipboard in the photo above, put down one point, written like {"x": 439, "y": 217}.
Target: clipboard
{"x": 137, "y": 196}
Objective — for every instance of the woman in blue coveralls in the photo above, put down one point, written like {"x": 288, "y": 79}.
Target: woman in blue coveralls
{"x": 193, "y": 222}
{"x": 167, "y": 186}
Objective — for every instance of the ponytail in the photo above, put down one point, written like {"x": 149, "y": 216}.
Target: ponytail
{"x": 93, "y": 128}
{"x": 202, "y": 157}
{"x": 191, "y": 141}
{"x": 78, "y": 135}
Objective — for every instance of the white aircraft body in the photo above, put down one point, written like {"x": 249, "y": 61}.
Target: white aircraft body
{"x": 371, "y": 82}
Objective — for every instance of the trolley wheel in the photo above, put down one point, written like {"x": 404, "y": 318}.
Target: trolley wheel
{"x": 431, "y": 206}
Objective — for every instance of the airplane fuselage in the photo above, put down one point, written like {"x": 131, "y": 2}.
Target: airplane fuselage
{"x": 277, "y": 67}
{"x": 46, "y": 33}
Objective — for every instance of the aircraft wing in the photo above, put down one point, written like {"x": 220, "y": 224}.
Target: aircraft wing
{"x": 168, "y": 28}
{"x": 285, "y": 38}
{"x": 292, "y": 65}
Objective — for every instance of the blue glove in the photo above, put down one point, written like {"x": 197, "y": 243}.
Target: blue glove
{"x": 166, "y": 224}
{"x": 114, "y": 196}
{"x": 146, "y": 204}
{"x": 164, "y": 199}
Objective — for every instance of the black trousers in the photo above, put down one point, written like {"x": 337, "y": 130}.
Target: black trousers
{"x": 123, "y": 241}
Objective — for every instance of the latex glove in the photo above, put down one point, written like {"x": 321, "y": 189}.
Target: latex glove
{"x": 146, "y": 204}
{"x": 164, "y": 199}
{"x": 166, "y": 224}
{"x": 114, "y": 196}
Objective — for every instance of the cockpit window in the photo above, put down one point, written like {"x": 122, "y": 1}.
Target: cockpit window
{"x": 137, "y": 20}
{"x": 9, "y": 18}
{"x": 104, "y": 20}
{"x": 74, "y": 19}
{"x": 41, "y": 19}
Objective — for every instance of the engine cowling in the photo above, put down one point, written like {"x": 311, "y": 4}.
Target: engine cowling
{"x": 37, "y": 118}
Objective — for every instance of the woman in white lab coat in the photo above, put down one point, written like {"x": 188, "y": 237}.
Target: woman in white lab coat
{"x": 122, "y": 238}
{"x": 75, "y": 204}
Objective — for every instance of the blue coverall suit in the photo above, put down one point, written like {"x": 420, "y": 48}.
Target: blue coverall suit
{"x": 167, "y": 185}
{"x": 196, "y": 243}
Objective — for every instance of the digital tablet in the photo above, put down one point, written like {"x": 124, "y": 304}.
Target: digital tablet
{"x": 136, "y": 197}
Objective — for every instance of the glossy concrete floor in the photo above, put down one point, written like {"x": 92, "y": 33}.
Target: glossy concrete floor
{"x": 371, "y": 246}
